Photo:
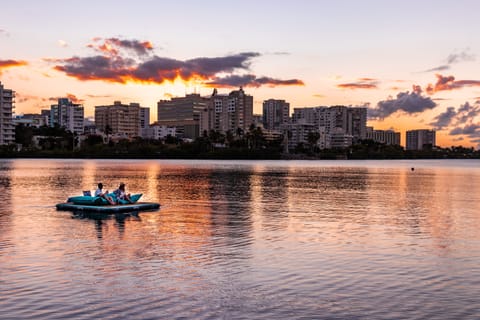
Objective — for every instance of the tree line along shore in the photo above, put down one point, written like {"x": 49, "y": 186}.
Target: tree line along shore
{"x": 56, "y": 142}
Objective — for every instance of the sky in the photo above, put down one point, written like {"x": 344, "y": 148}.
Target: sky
{"x": 413, "y": 64}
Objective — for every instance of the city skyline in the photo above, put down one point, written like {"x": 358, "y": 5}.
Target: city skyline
{"x": 413, "y": 64}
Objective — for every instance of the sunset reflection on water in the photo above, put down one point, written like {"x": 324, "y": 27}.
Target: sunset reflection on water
{"x": 243, "y": 239}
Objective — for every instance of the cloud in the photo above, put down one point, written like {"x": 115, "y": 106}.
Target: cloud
{"x": 114, "y": 46}
{"x": 62, "y": 43}
{"x": 407, "y": 102}
{"x": 115, "y": 63}
{"x": 362, "y": 83}
{"x": 318, "y": 95}
{"x": 447, "y": 83}
{"x": 465, "y": 115}
{"x": 4, "y": 64}
{"x": 73, "y": 98}
{"x": 99, "y": 96}
{"x": 470, "y": 130}
{"x": 444, "y": 119}
{"x": 439, "y": 68}
{"x": 460, "y": 57}
{"x": 452, "y": 59}
{"x": 250, "y": 80}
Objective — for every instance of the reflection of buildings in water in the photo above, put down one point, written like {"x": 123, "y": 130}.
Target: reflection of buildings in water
{"x": 6, "y": 212}
{"x": 329, "y": 192}
{"x": 231, "y": 197}
{"x": 270, "y": 197}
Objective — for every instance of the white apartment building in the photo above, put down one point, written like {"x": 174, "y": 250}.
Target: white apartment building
{"x": 7, "y": 129}
{"x": 68, "y": 115}
{"x": 230, "y": 112}
{"x": 157, "y": 131}
{"x": 341, "y": 126}
{"x": 275, "y": 114}
{"x": 420, "y": 139}
{"x": 388, "y": 137}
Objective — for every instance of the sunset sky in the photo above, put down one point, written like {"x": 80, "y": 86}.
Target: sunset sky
{"x": 414, "y": 64}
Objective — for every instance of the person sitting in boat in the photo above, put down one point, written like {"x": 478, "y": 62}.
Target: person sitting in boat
{"x": 121, "y": 194}
{"x": 99, "y": 193}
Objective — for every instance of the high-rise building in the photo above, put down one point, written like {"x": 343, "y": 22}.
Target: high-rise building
{"x": 119, "y": 119}
{"x": 343, "y": 124}
{"x": 297, "y": 133}
{"x": 230, "y": 112}
{"x": 187, "y": 114}
{"x": 388, "y": 137}
{"x": 420, "y": 139}
{"x": 68, "y": 115}
{"x": 7, "y": 129}
{"x": 144, "y": 117}
{"x": 275, "y": 114}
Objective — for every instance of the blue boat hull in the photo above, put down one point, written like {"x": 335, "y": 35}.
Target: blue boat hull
{"x": 142, "y": 206}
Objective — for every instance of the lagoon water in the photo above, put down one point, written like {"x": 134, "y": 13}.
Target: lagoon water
{"x": 243, "y": 240}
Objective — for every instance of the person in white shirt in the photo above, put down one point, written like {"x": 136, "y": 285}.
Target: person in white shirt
{"x": 99, "y": 193}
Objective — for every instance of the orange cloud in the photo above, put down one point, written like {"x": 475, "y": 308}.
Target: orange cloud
{"x": 448, "y": 83}
{"x": 4, "y": 64}
{"x": 73, "y": 98}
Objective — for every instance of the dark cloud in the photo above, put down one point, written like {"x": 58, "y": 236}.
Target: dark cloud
{"x": 470, "y": 130}
{"x": 407, "y": 102}
{"x": 250, "y": 80}
{"x": 467, "y": 112}
{"x": 444, "y": 119}
{"x": 114, "y": 65}
{"x": 446, "y": 83}
{"x": 115, "y": 46}
{"x": 362, "y": 83}
{"x": 460, "y": 57}
{"x": 211, "y": 66}
{"x": 4, "y": 64}
{"x": 439, "y": 68}
{"x": 452, "y": 59}
{"x": 462, "y": 119}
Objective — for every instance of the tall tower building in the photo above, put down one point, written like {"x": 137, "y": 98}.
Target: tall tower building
{"x": 121, "y": 119}
{"x": 275, "y": 114}
{"x": 420, "y": 139}
{"x": 68, "y": 115}
{"x": 230, "y": 112}
{"x": 7, "y": 129}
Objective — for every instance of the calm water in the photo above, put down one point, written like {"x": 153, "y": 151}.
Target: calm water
{"x": 243, "y": 240}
